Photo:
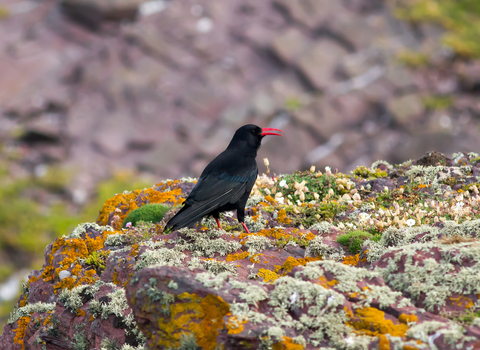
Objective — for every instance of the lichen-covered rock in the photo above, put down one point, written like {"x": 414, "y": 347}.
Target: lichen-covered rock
{"x": 380, "y": 258}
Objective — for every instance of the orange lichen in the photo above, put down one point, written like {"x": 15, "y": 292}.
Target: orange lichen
{"x": 235, "y": 326}
{"x": 267, "y": 275}
{"x": 322, "y": 280}
{"x": 192, "y": 314}
{"x": 115, "y": 278}
{"x": 351, "y": 260}
{"x": 291, "y": 262}
{"x": 287, "y": 344}
{"x": 462, "y": 301}
{"x": 408, "y": 347}
{"x": 22, "y": 324}
{"x": 270, "y": 200}
{"x": 371, "y": 321}
{"x": 383, "y": 343}
{"x": 134, "y": 251}
{"x": 255, "y": 258}
{"x": 80, "y": 312}
{"x": 128, "y": 202}
{"x": 404, "y": 318}
{"x": 309, "y": 236}
{"x": 283, "y": 218}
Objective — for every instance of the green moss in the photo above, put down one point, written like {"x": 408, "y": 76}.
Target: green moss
{"x": 293, "y": 104}
{"x": 438, "y": 102}
{"x": 413, "y": 59}
{"x": 461, "y": 18}
{"x": 354, "y": 240}
{"x": 366, "y": 173}
{"x": 97, "y": 260}
{"x": 147, "y": 213}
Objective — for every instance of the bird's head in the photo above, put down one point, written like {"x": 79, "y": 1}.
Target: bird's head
{"x": 250, "y": 136}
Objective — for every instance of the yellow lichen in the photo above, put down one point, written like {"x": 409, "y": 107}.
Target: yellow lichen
{"x": 235, "y": 326}
{"x": 291, "y": 262}
{"x": 22, "y": 324}
{"x": 351, "y": 260}
{"x": 127, "y": 202}
{"x": 282, "y": 217}
{"x": 267, "y": 275}
{"x": 322, "y": 280}
{"x": 202, "y": 317}
{"x": 404, "y": 318}
{"x": 287, "y": 344}
{"x": 371, "y": 321}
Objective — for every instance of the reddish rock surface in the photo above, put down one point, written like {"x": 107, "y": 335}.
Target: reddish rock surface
{"x": 412, "y": 285}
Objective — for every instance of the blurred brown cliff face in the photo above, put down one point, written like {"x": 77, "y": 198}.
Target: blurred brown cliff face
{"x": 160, "y": 86}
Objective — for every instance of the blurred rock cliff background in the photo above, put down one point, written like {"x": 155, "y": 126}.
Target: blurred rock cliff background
{"x": 100, "y": 96}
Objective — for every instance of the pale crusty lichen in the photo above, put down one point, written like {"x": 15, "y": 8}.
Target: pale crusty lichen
{"x": 436, "y": 279}
{"x": 217, "y": 267}
{"x": 316, "y": 248}
{"x": 255, "y": 225}
{"x": 162, "y": 256}
{"x": 116, "y": 239}
{"x": 206, "y": 243}
{"x": 428, "y": 331}
{"x": 401, "y": 237}
{"x": 82, "y": 228}
{"x": 380, "y": 162}
{"x": 256, "y": 244}
{"x": 30, "y": 308}
{"x": 72, "y": 299}
{"x": 255, "y": 200}
{"x": 321, "y": 227}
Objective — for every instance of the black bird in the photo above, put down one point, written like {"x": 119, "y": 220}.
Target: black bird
{"x": 226, "y": 183}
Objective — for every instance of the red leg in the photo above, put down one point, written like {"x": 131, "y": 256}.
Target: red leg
{"x": 218, "y": 223}
{"x": 245, "y": 227}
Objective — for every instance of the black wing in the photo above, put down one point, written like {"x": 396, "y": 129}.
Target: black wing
{"x": 224, "y": 181}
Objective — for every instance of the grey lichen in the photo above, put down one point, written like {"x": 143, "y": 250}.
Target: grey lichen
{"x": 162, "y": 257}
{"x": 82, "y": 228}
{"x": 255, "y": 200}
{"x": 216, "y": 267}
{"x": 206, "y": 243}
{"x": 321, "y": 227}
{"x": 116, "y": 240}
{"x": 154, "y": 295}
{"x": 172, "y": 284}
{"x": 27, "y": 310}
{"x": 72, "y": 299}
{"x": 210, "y": 280}
{"x": 109, "y": 344}
{"x": 255, "y": 226}
{"x": 318, "y": 248}
{"x": 381, "y": 162}
{"x": 436, "y": 279}
{"x": 256, "y": 244}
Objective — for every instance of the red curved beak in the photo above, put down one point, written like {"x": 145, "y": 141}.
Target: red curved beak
{"x": 265, "y": 132}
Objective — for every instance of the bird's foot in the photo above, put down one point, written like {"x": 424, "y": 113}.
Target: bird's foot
{"x": 245, "y": 227}
{"x": 218, "y": 223}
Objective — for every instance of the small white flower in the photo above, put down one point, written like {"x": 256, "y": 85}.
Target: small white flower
{"x": 281, "y": 200}
{"x": 282, "y": 183}
{"x": 364, "y": 216}
{"x": 410, "y": 222}
{"x": 459, "y": 205}
{"x": 293, "y": 297}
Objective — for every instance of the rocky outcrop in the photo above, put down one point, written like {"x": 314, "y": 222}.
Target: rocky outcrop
{"x": 380, "y": 258}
